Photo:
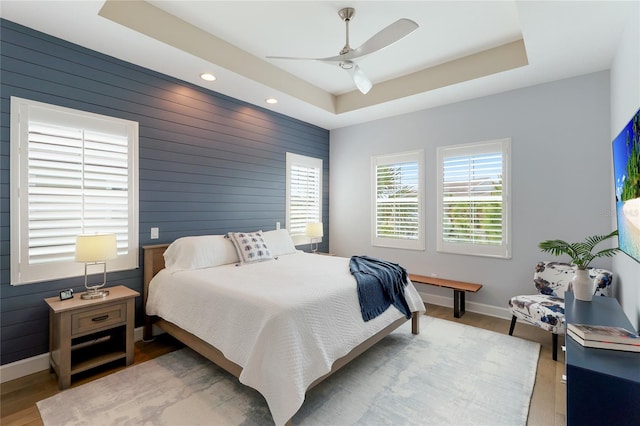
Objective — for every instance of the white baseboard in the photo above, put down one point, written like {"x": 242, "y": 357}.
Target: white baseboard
{"x": 37, "y": 363}
{"x": 24, "y": 367}
{"x": 480, "y": 308}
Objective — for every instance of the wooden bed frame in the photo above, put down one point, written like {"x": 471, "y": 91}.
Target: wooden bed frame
{"x": 154, "y": 262}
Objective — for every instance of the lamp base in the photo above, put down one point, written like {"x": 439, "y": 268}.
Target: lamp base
{"x": 94, "y": 294}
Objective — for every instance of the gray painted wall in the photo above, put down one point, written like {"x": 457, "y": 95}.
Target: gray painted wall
{"x": 625, "y": 101}
{"x": 561, "y": 185}
{"x": 209, "y": 164}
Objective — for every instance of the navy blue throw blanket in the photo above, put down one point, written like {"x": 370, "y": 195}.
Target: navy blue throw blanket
{"x": 380, "y": 285}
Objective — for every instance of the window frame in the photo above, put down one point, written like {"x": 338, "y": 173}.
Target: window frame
{"x": 502, "y": 250}
{"x": 24, "y": 111}
{"x": 291, "y": 160}
{"x": 416, "y": 156}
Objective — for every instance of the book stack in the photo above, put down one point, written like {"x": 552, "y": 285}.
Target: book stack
{"x": 604, "y": 337}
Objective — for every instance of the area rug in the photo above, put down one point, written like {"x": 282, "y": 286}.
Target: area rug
{"x": 450, "y": 374}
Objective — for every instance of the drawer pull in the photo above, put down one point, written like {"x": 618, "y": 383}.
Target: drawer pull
{"x": 100, "y": 318}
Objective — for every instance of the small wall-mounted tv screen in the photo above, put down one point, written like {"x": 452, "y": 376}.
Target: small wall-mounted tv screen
{"x": 626, "y": 171}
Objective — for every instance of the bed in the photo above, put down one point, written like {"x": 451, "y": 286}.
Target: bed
{"x": 280, "y": 324}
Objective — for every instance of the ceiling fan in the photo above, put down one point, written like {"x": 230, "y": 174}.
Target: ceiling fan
{"x": 347, "y": 56}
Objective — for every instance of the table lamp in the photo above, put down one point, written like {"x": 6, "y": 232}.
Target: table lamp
{"x": 314, "y": 231}
{"x": 95, "y": 249}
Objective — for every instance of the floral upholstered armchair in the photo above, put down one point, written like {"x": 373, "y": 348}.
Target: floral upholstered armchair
{"x": 546, "y": 309}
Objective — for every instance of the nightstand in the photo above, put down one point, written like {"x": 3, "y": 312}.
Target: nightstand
{"x": 84, "y": 334}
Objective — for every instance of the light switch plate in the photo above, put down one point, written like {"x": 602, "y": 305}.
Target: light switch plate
{"x": 155, "y": 233}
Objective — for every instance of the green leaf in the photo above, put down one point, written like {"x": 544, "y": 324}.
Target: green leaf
{"x": 580, "y": 252}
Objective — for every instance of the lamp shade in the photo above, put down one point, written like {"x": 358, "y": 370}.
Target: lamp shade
{"x": 314, "y": 229}
{"x": 97, "y": 247}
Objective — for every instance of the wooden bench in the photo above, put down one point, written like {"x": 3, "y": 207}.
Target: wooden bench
{"x": 459, "y": 289}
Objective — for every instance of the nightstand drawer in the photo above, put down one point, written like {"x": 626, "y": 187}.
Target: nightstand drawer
{"x": 100, "y": 317}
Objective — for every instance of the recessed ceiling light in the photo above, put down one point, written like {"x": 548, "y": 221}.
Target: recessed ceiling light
{"x": 207, "y": 76}
{"x": 271, "y": 101}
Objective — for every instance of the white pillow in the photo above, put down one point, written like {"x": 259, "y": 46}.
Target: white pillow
{"x": 250, "y": 246}
{"x": 205, "y": 251}
{"x": 279, "y": 242}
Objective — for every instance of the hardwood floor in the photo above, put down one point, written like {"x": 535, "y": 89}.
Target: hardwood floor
{"x": 18, "y": 397}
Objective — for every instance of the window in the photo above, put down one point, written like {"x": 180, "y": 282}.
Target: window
{"x": 304, "y": 195}
{"x": 473, "y": 199}
{"x": 72, "y": 173}
{"x": 398, "y": 206}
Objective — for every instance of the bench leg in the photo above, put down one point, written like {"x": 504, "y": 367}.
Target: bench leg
{"x": 513, "y": 325}
{"x": 458, "y": 303}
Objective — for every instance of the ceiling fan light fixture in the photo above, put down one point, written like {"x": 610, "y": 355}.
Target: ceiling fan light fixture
{"x": 346, "y": 65}
{"x": 360, "y": 79}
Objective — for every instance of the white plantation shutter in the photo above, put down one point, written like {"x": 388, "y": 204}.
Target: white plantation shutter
{"x": 77, "y": 175}
{"x": 305, "y": 198}
{"x": 473, "y": 208}
{"x": 397, "y": 200}
{"x": 304, "y": 194}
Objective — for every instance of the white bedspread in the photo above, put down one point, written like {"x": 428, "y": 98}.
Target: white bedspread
{"x": 283, "y": 321}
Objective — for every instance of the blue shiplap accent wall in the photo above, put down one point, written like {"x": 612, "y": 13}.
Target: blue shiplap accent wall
{"x": 208, "y": 163}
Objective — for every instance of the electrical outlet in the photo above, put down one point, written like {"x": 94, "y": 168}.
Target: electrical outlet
{"x": 155, "y": 233}
{"x": 277, "y": 225}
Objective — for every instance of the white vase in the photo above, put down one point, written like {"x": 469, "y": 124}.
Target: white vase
{"x": 582, "y": 285}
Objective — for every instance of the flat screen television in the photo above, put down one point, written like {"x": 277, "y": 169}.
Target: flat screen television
{"x": 626, "y": 172}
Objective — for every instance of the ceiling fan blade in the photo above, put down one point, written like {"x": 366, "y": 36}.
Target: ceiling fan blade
{"x": 295, "y": 58}
{"x": 339, "y": 58}
{"x": 362, "y": 82}
{"x": 385, "y": 37}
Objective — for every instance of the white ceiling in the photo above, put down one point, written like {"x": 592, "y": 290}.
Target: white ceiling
{"x": 431, "y": 66}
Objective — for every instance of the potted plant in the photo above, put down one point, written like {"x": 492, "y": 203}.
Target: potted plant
{"x": 581, "y": 256}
